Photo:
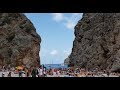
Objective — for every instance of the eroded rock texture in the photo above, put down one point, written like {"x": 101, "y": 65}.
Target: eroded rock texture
{"x": 97, "y": 41}
{"x": 19, "y": 42}
{"x": 66, "y": 61}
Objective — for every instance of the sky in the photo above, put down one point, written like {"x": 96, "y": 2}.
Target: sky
{"x": 57, "y": 33}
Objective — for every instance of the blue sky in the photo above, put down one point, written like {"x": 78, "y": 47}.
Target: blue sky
{"x": 57, "y": 34}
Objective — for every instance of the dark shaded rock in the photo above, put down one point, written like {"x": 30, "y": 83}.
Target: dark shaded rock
{"x": 66, "y": 61}
{"x": 19, "y": 42}
{"x": 97, "y": 41}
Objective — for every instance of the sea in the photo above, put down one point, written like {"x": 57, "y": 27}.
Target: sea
{"x": 48, "y": 66}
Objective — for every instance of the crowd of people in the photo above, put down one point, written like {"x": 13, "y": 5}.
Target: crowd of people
{"x": 81, "y": 72}
{"x": 24, "y": 71}
{"x": 41, "y": 71}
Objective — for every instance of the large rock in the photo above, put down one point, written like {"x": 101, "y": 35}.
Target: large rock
{"x": 66, "y": 61}
{"x": 19, "y": 42}
{"x": 97, "y": 41}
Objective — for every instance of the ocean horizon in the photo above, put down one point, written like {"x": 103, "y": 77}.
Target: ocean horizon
{"x": 48, "y": 66}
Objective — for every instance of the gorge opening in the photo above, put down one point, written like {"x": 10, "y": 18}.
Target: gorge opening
{"x": 57, "y": 33}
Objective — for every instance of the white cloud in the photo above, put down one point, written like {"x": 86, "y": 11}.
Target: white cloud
{"x": 68, "y": 21}
{"x": 70, "y": 25}
{"x": 72, "y": 21}
{"x": 58, "y": 17}
{"x": 76, "y": 14}
{"x": 54, "y": 52}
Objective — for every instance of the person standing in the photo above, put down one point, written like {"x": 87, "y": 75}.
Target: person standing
{"x": 20, "y": 73}
{"x": 9, "y": 74}
{"x": 40, "y": 71}
{"x": 34, "y": 72}
{"x": 3, "y": 75}
{"x": 44, "y": 72}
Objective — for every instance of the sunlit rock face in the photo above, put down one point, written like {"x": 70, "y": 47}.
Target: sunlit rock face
{"x": 19, "y": 42}
{"x": 97, "y": 41}
{"x": 66, "y": 61}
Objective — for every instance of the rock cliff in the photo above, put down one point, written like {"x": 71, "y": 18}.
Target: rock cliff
{"x": 97, "y": 41}
{"x": 19, "y": 42}
{"x": 66, "y": 61}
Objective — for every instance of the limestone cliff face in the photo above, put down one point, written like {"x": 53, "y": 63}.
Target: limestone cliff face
{"x": 97, "y": 41}
{"x": 19, "y": 42}
{"x": 66, "y": 61}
